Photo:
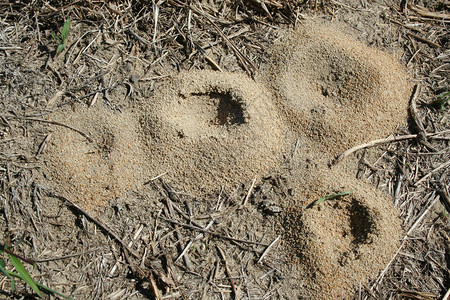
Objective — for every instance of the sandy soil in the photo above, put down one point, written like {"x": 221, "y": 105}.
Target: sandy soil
{"x": 179, "y": 150}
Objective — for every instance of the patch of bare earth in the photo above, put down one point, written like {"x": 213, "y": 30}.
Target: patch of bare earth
{"x": 174, "y": 150}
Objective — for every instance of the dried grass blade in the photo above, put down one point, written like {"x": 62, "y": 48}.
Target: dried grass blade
{"x": 268, "y": 249}
{"x": 426, "y": 13}
{"x": 246, "y": 63}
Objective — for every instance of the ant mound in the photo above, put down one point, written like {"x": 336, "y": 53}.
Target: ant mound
{"x": 209, "y": 129}
{"x": 345, "y": 240}
{"x": 100, "y": 162}
{"x": 335, "y": 89}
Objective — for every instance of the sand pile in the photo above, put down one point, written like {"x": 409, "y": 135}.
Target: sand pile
{"x": 91, "y": 173}
{"x": 207, "y": 129}
{"x": 335, "y": 89}
{"x": 340, "y": 242}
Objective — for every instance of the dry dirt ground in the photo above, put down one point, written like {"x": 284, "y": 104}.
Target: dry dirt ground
{"x": 175, "y": 150}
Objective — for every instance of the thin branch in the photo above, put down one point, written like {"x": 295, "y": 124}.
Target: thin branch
{"x": 58, "y": 124}
{"x": 246, "y": 63}
{"x": 268, "y": 249}
{"x": 447, "y": 295}
{"x": 213, "y": 233}
{"x": 227, "y": 270}
{"x": 66, "y": 256}
{"x": 97, "y": 222}
{"x": 444, "y": 165}
{"x": 445, "y": 199}
{"x": 415, "y": 116}
{"x": 424, "y": 40}
{"x": 249, "y": 192}
{"x": 416, "y": 223}
{"x": 413, "y": 112}
{"x": 381, "y": 142}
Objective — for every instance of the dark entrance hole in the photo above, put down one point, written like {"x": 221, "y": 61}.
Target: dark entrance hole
{"x": 362, "y": 223}
{"x": 229, "y": 111}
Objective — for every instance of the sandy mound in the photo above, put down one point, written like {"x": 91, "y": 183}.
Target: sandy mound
{"x": 208, "y": 129}
{"x": 337, "y": 90}
{"x": 94, "y": 172}
{"x": 340, "y": 242}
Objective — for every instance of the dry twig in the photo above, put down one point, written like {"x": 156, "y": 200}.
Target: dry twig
{"x": 249, "y": 192}
{"x": 94, "y": 220}
{"x": 426, "y": 13}
{"x": 58, "y": 124}
{"x": 445, "y": 198}
{"x": 444, "y": 165}
{"x": 425, "y": 40}
{"x": 411, "y": 229}
{"x": 268, "y": 249}
{"x": 227, "y": 270}
{"x": 381, "y": 142}
{"x": 447, "y": 295}
{"x": 246, "y": 63}
{"x": 213, "y": 233}
{"x": 413, "y": 112}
